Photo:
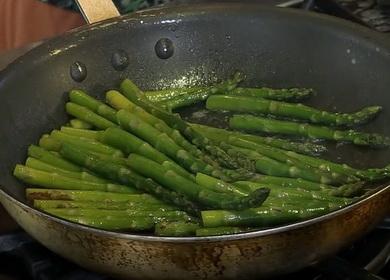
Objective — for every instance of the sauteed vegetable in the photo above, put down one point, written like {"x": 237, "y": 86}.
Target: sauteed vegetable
{"x": 131, "y": 164}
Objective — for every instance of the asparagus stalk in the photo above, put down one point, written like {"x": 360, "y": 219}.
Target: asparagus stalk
{"x": 342, "y": 191}
{"x": 287, "y": 94}
{"x": 106, "y": 205}
{"x": 137, "y": 223}
{"x": 193, "y": 191}
{"x": 256, "y": 217}
{"x": 94, "y": 105}
{"x": 291, "y": 94}
{"x": 129, "y": 143}
{"x": 49, "y": 143}
{"x": 88, "y": 116}
{"x": 120, "y": 102}
{"x": 184, "y": 100}
{"x": 194, "y": 95}
{"x": 251, "y": 123}
{"x": 171, "y": 215}
{"x": 76, "y": 123}
{"x": 81, "y": 98}
{"x": 298, "y": 192}
{"x": 218, "y": 185}
{"x": 164, "y": 144}
{"x": 85, "y": 133}
{"x": 180, "y": 228}
{"x": 220, "y": 134}
{"x": 202, "y": 94}
{"x": 120, "y": 173}
{"x": 90, "y": 196}
{"x": 52, "y": 158}
{"x": 84, "y": 176}
{"x": 336, "y": 171}
{"x": 372, "y": 174}
{"x": 269, "y": 166}
{"x": 86, "y": 143}
{"x": 290, "y": 182}
{"x": 134, "y": 94}
{"x": 296, "y": 111}
{"x": 54, "y": 180}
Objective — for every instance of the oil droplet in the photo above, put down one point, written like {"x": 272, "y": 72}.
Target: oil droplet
{"x": 119, "y": 60}
{"x": 164, "y": 48}
{"x": 78, "y": 71}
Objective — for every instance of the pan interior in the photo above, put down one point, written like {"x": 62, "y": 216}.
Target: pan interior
{"x": 346, "y": 65}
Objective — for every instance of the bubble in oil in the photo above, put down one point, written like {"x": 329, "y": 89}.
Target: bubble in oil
{"x": 164, "y": 48}
{"x": 119, "y": 60}
{"x": 78, "y": 71}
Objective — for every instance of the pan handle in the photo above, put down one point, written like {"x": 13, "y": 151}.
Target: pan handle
{"x": 97, "y": 10}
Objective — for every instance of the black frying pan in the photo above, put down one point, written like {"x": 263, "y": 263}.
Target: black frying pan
{"x": 346, "y": 64}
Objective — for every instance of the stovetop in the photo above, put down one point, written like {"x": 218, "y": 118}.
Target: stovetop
{"x": 21, "y": 257}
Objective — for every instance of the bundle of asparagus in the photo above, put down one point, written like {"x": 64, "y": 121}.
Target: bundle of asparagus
{"x": 129, "y": 164}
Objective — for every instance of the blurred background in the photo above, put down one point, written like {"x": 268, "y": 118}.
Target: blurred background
{"x": 26, "y": 21}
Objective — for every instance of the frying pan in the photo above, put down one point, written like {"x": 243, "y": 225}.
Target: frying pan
{"x": 346, "y": 64}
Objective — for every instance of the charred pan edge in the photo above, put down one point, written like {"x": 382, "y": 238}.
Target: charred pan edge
{"x": 230, "y": 237}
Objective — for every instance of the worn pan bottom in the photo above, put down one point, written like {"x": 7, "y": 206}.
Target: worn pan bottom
{"x": 246, "y": 256}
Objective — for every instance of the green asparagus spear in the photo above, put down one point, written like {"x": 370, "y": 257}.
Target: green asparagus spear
{"x": 76, "y": 123}
{"x": 88, "y": 116}
{"x": 52, "y": 158}
{"x": 137, "y": 223}
{"x": 291, "y": 94}
{"x": 202, "y": 94}
{"x": 85, "y": 133}
{"x": 107, "y": 205}
{"x": 251, "y": 123}
{"x": 54, "y": 180}
{"x": 222, "y": 134}
{"x": 84, "y": 176}
{"x": 91, "y": 196}
{"x": 171, "y": 215}
{"x": 81, "y": 98}
{"x": 290, "y": 182}
{"x": 299, "y": 192}
{"x": 184, "y": 100}
{"x": 193, "y": 191}
{"x": 120, "y": 173}
{"x": 257, "y": 217}
{"x": 193, "y": 96}
{"x": 157, "y": 96}
{"x": 297, "y": 160}
{"x": 180, "y": 228}
{"x": 86, "y": 143}
{"x": 120, "y": 102}
{"x": 288, "y": 94}
{"x": 164, "y": 144}
{"x": 218, "y": 185}
{"x": 134, "y": 94}
{"x": 343, "y": 191}
{"x": 296, "y": 111}
{"x": 129, "y": 143}
{"x": 49, "y": 143}
{"x": 269, "y": 166}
